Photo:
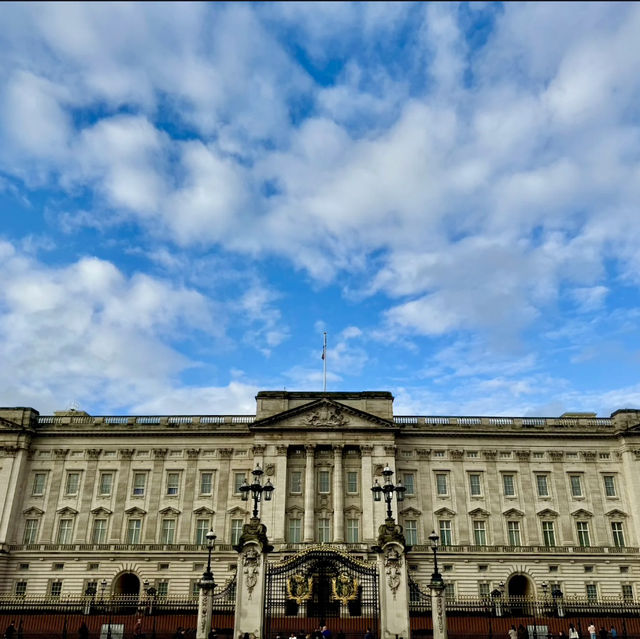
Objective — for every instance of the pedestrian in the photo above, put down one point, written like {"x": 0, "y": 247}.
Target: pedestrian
{"x": 367, "y": 635}
{"x": 573, "y": 633}
{"x": 292, "y": 635}
{"x": 522, "y": 632}
{"x": 603, "y": 634}
{"x": 513, "y": 633}
{"x": 614, "y": 633}
{"x": 10, "y": 632}
{"x": 83, "y": 631}
{"x": 137, "y": 629}
{"x": 592, "y": 631}
{"x": 326, "y": 633}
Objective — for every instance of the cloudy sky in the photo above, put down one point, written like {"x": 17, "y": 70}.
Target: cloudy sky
{"x": 191, "y": 194}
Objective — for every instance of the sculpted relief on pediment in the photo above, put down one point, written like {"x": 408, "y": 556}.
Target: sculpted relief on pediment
{"x": 327, "y": 416}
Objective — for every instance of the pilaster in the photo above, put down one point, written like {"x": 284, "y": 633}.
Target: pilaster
{"x": 338, "y": 494}
{"x": 309, "y": 494}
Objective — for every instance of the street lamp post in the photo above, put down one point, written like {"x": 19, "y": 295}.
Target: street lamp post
{"x": 387, "y": 489}
{"x": 103, "y": 585}
{"x": 257, "y": 489}
{"x": 437, "y": 587}
{"x": 151, "y": 595}
{"x": 207, "y": 585}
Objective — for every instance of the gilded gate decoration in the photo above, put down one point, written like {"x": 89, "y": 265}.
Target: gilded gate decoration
{"x": 321, "y": 586}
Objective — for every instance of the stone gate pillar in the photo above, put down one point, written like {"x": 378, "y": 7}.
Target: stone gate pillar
{"x": 205, "y": 608}
{"x": 252, "y": 548}
{"x": 394, "y": 582}
{"x": 438, "y": 609}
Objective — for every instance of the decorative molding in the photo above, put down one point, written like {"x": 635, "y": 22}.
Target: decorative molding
{"x": 93, "y": 453}
{"x": 392, "y": 568}
{"x": 225, "y": 453}
{"x": 423, "y": 453}
{"x": 270, "y": 470}
{"x": 367, "y": 449}
{"x": 135, "y": 511}
{"x": 203, "y": 510}
{"x": 547, "y": 513}
{"x": 310, "y": 449}
{"x": 169, "y": 510}
{"x": 101, "y": 510}
{"x": 60, "y": 453}
{"x": 128, "y": 453}
{"x": 250, "y": 568}
{"x": 390, "y": 449}
{"x": 258, "y": 450}
{"x": 616, "y": 512}
{"x": 445, "y": 511}
{"x": 193, "y": 453}
{"x": 581, "y": 512}
{"x": 555, "y": 455}
{"x": 523, "y": 455}
{"x": 282, "y": 449}
{"x": 33, "y": 511}
{"x": 490, "y": 454}
{"x": 326, "y": 415}
{"x": 479, "y": 512}
{"x": 67, "y": 510}
{"x": 9, "y": 451}
{"x": 160, "y": 453}
{"x": 456, "y": 454}
{"x": 513, "y": 512}
{"x": 589, "y": 455}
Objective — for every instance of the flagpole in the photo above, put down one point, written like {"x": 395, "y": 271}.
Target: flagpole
{"x": 324, "y": 364}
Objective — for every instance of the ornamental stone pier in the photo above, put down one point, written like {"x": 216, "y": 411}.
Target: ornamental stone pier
{"x": 252, "y": 548}
{"x": 438, "y": 610}
{"x": 394, "y": 582}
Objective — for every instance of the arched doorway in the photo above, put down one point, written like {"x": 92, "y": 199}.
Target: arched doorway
{"x": 519, "y": 586}
{"x": 127, "y": 584}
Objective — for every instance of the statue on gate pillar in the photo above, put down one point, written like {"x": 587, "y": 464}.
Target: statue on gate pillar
{"x": 394, "y": 584}
{"x": 252, "y": 549}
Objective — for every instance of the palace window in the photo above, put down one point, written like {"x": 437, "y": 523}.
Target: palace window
{"x": 65, "y": 531}
{"x": 173, "y": 483}
{"x": 236, "y": 530}
{"x": 202, "y": 528}
{"x": 609, "y": 485}
{"x": 479, "y": 533}
{"x": 543, "y": 485}
{"x": 617, "y": 533}
{"x": 39, "y": 483}
{"x": 238, "y": 480}
{"x": 352, "y": 482}
{"x": 55, "y": 588}
{"x": 583, "y": 533}
{"x": 99, "y": 533}
{"x": 409, "y": 483}
{"x": 206, "y": 483}
{"x": 295, "y": 482}
{"x": 475, "y": 486}
{"x": 445, "y": 532}
{"x": 508, "y": 485}
{"x": 139, "y": 484}
{"x": 513, "y": 531}
{"x": 134, "y": 526}
{"x": 592, "y": 592}
{"x": 295, "y": 530}
{"x": 411, "y": 531}
{"x": 627, "y": 593}
{"x": 576, "y": 485}
{"x": 483, "y": 589}
{"x": 31, "y": 531}
{"x": 163, "y": 588}
{"x": 442, "y": 484}
{"x": 168, "y": 531}
{"x": 21, "y": 588}
{"x": 72, "y": 484}
{"x": 449, "y": 591}
{"x": 323, "y": 481}
{"x": 105, "y": 485}
{"x": 353, "y": 532}
{"x": 548, "y": 533}
{"x": 324, "y": 530}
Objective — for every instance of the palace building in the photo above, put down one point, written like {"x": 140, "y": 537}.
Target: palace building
{"x": 521, "y": 503}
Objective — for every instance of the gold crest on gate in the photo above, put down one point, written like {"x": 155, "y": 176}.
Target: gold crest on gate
{"x": 298, "y": 588}
{"x": 344, "y": 588}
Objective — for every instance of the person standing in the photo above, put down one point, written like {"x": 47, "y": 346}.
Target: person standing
{"x": 10, "y": 632}
{"x": 326, "y": 633}
{"x": 614, "y": 633}
{"x": 592, "y": 631}
{"x": 83, "y": 631}
{"x": 522, "y": 632}
{"x": 368, "y": 634}
{"x": 573, "y": 633}
{"x": 513, "y": 633}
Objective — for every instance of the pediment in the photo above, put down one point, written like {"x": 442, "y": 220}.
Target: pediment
{"x": 352, "y": 510}
{"x": 479, "y": 512}
{"x": 135, "y": 511}
{"x": 581, "y": 512}
{"x": 294, "y": 510}
{"x": 411, "y": 512}
{"x": 203, "y": 510}
{"x": 444, "y": 511}
{"x": 323, "y": 414}
{"x": 513, "y": 512}
{"x": 547, "y": 512}
{"x": 616, "y": 512}
{"x": 236, "y": 510}
{"x": 101, "y": 510}
{"x": 169, "y": 511}
{"x": 33, "y": 511}
{"x": 7, "y": 425}
{"x": 67, "y": 511}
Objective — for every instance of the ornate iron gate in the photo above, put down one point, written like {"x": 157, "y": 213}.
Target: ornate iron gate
{"x": 321, "y": 586}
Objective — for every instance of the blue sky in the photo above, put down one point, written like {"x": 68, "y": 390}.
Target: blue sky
{"x": 191, "y": 194}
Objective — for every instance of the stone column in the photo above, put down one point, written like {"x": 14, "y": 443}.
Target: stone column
{"x": 205, "y": 608}
{"x": 48, "y": 532}
{"x": 83, "y": 534}
{"x": 368, "y": 533}
{"x": 438, "y": 609}
{"x": 309, "y": 494}
{"x": 191, "y": 489}
{"x": 11, "y": 500}
{"x": 156, "y": 485}
{"x": 338, "y": 494}
{"x": 222, "y": 494}
{"x": 116, "y": 534}
{"x": 280, "y": 494}
{"x": 394, "y": 587}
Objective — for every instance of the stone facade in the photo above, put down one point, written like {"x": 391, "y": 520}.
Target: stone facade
{"x": 521, "y": 500}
